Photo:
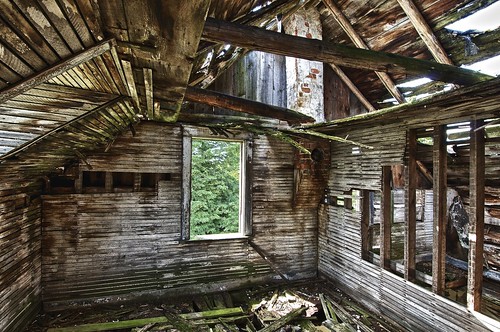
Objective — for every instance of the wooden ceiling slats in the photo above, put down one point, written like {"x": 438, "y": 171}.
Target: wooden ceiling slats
{"x": 103, "y": 71}
{"x": 8, "y": 75}
{"x": 40, "y": 22}
{"x": 14, "y": 62}
{"x": 89, "y": 10}
{"x": 72, "y": 13}
{"x": 23, "y": 28}
{"x": 58, "y": 19}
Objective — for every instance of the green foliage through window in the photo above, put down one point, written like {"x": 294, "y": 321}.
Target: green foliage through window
{"x": 215, "y": 187}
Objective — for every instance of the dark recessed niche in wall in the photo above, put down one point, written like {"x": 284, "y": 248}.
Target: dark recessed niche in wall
{"x": 150, "y": 180}
{"x": 123, "y": 181}
{"x": 62, "y": 185}
{"x": 105, "y": 182}
{"x": 94, "y": 181}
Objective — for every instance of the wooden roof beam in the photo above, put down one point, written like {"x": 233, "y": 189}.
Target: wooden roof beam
{"x": 55, "y": 70}
{"x": 354, "y": 89}
{"x": 425, "y": 31}
{"x": 359, "y": 42}
{"x": 221, "y": 100}
{"x": 317, "y": 50}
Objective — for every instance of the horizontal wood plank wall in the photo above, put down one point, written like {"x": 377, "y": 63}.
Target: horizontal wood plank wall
{"x": 20, "y": 254}
{"x": 339, "y": 246}
{"x": 109, "y": 246}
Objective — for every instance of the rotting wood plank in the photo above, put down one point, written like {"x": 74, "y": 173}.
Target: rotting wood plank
{"x": 440, "y": 220}
{"x": 317, "y": 50}
{"x": 55, "y": 70}
{"x": 476, "y": 218}
{"x": 354, "y": 89}
{"x": 128, "y": 324}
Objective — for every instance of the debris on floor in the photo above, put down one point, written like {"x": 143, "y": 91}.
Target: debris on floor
{"x": 291, "y": 307}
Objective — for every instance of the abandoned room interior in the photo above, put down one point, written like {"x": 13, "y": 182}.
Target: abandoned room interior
{"x": 158, "y": 151}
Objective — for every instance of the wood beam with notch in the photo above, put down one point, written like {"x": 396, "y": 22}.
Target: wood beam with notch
{"x": 221, "y": 100}
{"x": 359, "y": 42}
{"x": 410, "y": 207}
{"x": 439, "y": 167}
{"x": 317, "y": 50}
{"x": 425, "y": 31}
{"x": 24, "y": 85}
{"x": 476, "y": 217}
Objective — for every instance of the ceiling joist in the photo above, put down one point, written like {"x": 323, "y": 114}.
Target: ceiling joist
{"x": 317, "y": 50}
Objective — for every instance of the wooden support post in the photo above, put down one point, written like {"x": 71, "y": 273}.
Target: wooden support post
{"x": 317, "y": 50}
{"x": 386, "y": 222}
{"x": 476, "y": 217}
{"x": 439, "y": 154}
{"x": 410, "y": 206}
{"x": 365, "y": 224}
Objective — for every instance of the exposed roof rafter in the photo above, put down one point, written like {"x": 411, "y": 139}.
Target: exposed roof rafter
{"x": 425, "y": 31}
{"x": 359, "y": 42}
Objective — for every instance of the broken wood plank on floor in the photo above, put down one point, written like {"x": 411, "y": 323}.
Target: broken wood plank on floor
{"x": 197, "y": 318}
{"x": 283, "y": 320}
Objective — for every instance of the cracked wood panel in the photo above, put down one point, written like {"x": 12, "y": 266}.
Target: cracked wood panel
{"x": 161, "y": 36}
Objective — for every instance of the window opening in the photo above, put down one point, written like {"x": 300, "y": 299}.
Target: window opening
{"x": 216, "y": 187}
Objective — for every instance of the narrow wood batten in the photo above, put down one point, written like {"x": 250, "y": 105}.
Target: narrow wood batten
{"x": 410, "y": 205}
{"x": 440, "y": 155}
{"x": 476, "y": 217}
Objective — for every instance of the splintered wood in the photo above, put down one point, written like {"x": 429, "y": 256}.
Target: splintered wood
{"x": 299, "y": 307}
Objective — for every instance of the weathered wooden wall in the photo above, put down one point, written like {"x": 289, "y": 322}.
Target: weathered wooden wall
{"x": 114, "y": 245}
{"x": 20, "y": 254}
{"x": 339, "y": 239}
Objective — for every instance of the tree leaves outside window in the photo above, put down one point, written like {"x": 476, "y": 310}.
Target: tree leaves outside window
{"x": 215, "y": 187}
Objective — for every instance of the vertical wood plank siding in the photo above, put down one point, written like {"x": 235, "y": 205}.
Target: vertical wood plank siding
{"x": 122, "y": 245}
{"x": 20, "y": 258}
{"x": 339, "y": 240}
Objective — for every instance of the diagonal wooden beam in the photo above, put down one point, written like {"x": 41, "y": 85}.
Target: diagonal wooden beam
{"x": 359, "y": 42}
{"x": 23, "y": 147}
{"x": 317, "y": 50}
{"x": 425, "y": 31}
{"x": 221, "y": 100}
{"x": 354, "y": 89}
{"x": 55, "y": 70}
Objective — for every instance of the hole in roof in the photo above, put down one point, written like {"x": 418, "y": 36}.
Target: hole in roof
{"x": 257, "y": 8}
{"x": 414, "y": 83}
{"x": 482, "y": 20}
{"x": 489, "y": 66}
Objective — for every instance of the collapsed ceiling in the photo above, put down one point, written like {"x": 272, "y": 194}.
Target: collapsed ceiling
{"x": 77, "y": 73}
